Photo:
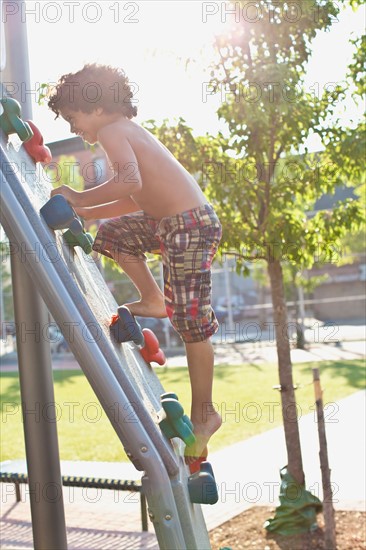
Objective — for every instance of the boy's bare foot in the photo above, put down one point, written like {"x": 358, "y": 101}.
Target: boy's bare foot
{"x": 203, "y": 432}
{"x": 145, "y": 307}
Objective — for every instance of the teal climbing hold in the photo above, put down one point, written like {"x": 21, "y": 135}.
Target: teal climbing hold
{"x": 175, "y": 423}
{"x": 185, "y": 418}
{"x": 169, "y": 395}
{"x": 202, "y": 486}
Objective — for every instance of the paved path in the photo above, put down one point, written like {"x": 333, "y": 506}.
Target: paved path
{"x": 325, "y": 342}
{"x": 248, "y": 472}
{"x": 231, "y": 354}
{"x": 260, "y": 352}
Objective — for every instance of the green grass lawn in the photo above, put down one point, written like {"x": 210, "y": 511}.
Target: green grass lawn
{"x": 243, "y": 395}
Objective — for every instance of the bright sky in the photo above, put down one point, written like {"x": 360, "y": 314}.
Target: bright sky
{"x": 147, "y": 39}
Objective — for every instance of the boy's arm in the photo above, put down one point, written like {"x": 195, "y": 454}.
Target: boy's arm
{"x": 126, "y": 181}
{"x": 110, "y": 210}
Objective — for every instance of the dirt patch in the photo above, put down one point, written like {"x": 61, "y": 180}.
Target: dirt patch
{"x": 246, "y": 531}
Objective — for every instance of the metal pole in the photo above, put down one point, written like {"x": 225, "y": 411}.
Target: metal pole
{"x": 301, "y": 305}
{"x": 3, "y": 334}
{"x": 39, "y": 418}
{"x": 16, "y": 76}
{"x": 31, "y": 316}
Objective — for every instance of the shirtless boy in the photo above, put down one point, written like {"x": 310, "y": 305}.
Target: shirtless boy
{"x": 153, "y": 205}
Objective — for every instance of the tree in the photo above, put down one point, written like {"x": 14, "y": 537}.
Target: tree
{"x": 266, "y": 186}
{"x": 254, "y": 173}
{"x": 345, "y": 146}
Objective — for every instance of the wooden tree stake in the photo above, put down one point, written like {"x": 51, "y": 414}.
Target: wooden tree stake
{"x": 328, "y": 510}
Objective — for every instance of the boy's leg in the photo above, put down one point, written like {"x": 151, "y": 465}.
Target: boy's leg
{"x": 190, "y": 243}
{"x": 206, "y": 420}
{"x": 126, "y": 239}
{"x": 151, "y": 303}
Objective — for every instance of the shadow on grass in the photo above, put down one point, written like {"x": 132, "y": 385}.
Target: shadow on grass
{"x": 353, "y": 371}
{"x": 221, "y": 372}
{"x": 12, "y": 392}
{"x": 65, "y": 376}
{"x": 224, "y": 372}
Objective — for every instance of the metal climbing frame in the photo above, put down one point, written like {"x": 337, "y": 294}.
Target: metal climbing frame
{"x": 178, "y": 523}
{"x": 74, "y": 292}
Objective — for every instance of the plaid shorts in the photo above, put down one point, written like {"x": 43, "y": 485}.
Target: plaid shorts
{"x": 187, "y": 243}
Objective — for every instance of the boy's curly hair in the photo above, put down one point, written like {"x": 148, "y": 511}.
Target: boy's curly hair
{"x": 92, "y": 87}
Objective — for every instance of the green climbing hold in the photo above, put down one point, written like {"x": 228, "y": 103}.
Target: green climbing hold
{"x": 11, "y": 121}
{"x": 185, "y": 418}
{"x": 176, "y": 423}
{"x": 84, "y": 240}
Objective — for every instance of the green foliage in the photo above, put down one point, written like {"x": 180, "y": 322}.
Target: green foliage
{"x": 356, "y": 3}
{"x": 264, "y": 190}
{"x": 66, "y": 172}
{"x": 263, "y": 65}
{"x": 294, "y": 279}
{"x": 346, "y": 145}
{"x": 261, "y": 186}
{"x": 353, "y": 245}
{"x": 357, "y": 68}
{"x": 43, "y": 93}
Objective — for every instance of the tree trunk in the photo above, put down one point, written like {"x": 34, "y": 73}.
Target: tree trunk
{"x": 289, "y": 408}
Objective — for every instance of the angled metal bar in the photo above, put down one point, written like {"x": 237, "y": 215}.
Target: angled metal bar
{"x": 97, "y": 371}
{"x": 79, "y": 277}
{"x": 71, "y": 273}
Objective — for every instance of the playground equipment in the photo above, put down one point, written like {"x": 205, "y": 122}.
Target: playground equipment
{"x": 35, "y": 146}
{"x": 202, "y": 485}
{"x": 11, "y": 122}
{"x": 76, "y": 295}
{"x": 125, "y": 328}
{"x": 58, "y": 214}
{"x": 151, "y": 351}
{"x": 173, "y": 422}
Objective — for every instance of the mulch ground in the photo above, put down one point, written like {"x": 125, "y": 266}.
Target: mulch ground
{"x": 246, "y": 531}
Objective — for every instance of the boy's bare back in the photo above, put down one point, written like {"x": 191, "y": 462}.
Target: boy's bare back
{"x": 166, "y": 186}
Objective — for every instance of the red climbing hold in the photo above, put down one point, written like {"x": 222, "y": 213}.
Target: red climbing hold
{"x": 151, "y": 351}
{"x": 196, "y": 464}
{"x": 35, "y": 147}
